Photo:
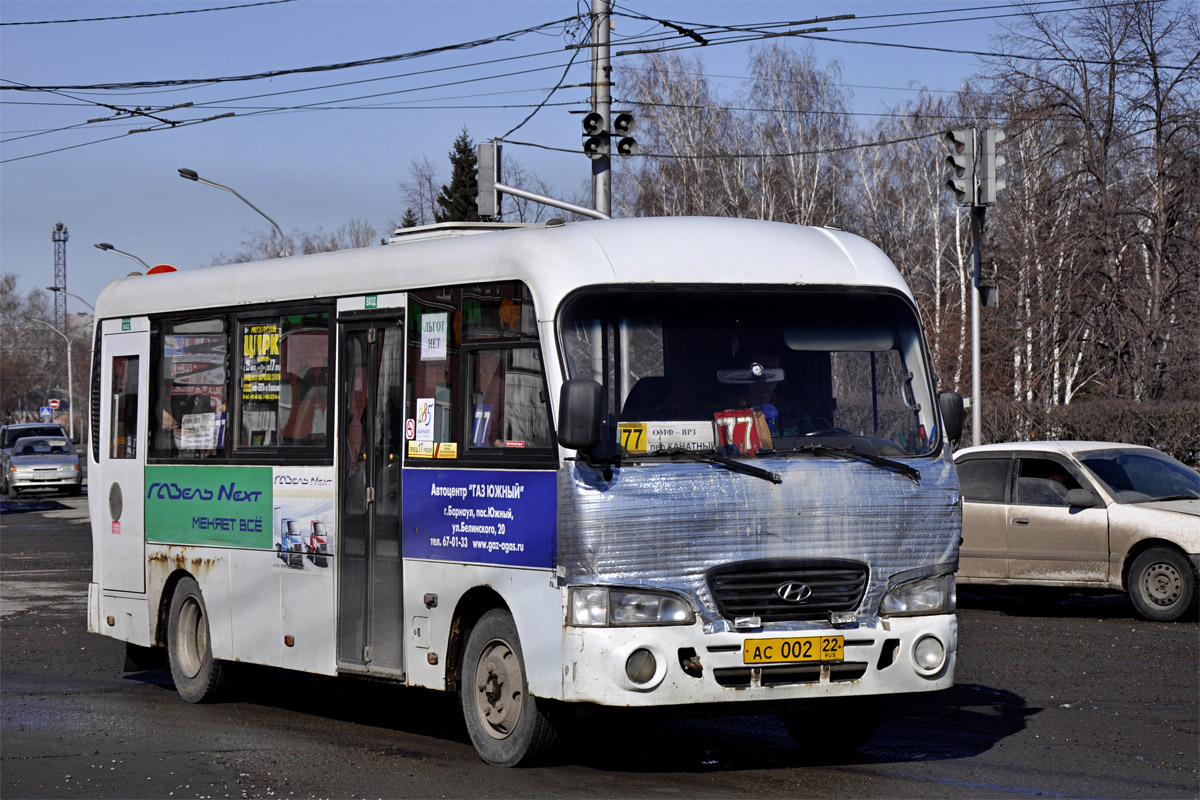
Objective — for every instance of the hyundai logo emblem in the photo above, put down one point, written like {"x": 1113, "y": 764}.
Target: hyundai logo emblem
{"x": 792, "y": 592}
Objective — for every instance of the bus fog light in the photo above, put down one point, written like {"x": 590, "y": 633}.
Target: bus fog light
{"x": 929, "y": 654}
{"x": 641, "y": 666}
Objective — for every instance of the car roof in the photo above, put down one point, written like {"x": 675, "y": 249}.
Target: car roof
{"x": 28, "y": 428}
{"x": 1064, "y": 448}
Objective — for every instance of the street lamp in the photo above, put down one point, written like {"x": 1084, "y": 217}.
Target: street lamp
{"x": 111, "y": 249}
{"x": 191, "y": 175}
{"x": 68, "y": 294}
{"x": 70, "y": 379}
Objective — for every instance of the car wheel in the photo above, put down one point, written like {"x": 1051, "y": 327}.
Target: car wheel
{"x": 836, "y": 727}
{"x": 199, "y": 678}
{"x": 1162, "y": 584}
{"x": 504, "y": 721}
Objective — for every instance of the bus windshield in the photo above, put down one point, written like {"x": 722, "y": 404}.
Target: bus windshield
{"x": 744, "y": 371}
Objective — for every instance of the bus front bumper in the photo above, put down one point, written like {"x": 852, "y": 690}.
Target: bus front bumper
{"x": 663, "y": 666}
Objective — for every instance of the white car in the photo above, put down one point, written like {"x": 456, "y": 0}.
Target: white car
{"x": 1089, "y": 514}
{"x": 42, "y": 462}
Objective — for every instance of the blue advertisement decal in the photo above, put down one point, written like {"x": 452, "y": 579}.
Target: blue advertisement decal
{"x": 501, "y": 517}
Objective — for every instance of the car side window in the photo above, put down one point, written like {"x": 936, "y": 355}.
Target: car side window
{"x": 1043, "y": 482}
{"x": 983, "y": 480}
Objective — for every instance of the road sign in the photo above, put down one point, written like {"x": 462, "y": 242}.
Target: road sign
{"x": 46, "y": 411}
{"x": 54, "y": 404}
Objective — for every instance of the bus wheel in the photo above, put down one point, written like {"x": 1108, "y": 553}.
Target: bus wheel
{"x": 503, "y": 719}
{"x": 835, "y": 727}
{"x": 199, "y": 678}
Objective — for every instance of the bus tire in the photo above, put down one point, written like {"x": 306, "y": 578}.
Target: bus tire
{"x": 1162, "y": 585}
{"x": 835, "y": 727}
{"x": 504, "y": 721}
{"x": 198, "y": 677}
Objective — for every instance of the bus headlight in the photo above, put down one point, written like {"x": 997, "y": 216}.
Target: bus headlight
{"x": 931, "y": 594}
{"x": 600, "y": 606}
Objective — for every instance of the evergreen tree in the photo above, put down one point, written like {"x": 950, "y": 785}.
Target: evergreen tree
{"x": 410, "y": 219}
{"x": 457, "y": 200}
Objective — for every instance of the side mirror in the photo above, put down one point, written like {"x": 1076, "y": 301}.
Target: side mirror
{"x": 1081, "y": 498}
{"x": 953, "y": 415}
{"x": 579, "y": 414}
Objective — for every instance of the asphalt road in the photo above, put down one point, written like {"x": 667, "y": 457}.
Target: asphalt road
{"x": 1068, "y": 695}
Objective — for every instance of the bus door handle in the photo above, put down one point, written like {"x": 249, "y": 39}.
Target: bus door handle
{"x": 1020, "y": 521}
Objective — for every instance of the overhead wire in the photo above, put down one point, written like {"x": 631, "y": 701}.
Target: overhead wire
{"x": 143, "y": 16}
{"x": 682, "y": 31}
{"x": 298, "y": 70}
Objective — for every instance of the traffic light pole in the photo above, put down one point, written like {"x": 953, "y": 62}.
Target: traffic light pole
{"x": 601, "y": 104}
{"x": 977, "y": 213}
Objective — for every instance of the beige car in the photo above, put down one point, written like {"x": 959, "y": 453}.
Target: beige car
{"x": 1094, "y": 514}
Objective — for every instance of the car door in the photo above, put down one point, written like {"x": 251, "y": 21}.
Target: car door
{"x": 984, "y": 486}
{"x": 1048, "y": 540}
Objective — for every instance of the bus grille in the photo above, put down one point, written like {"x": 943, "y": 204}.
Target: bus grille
{"x": 756, "y": 588}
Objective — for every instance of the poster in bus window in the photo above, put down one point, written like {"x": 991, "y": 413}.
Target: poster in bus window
{"x": 433, "y": 336}
{"x": 260, "y": 362}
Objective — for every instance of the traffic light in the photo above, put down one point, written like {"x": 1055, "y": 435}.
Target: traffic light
{"x": 990, "y": 163}
{"x": 962, "y": 164}
{"x": 598, "y": 139}
{"x": 622, "y": 127}
{"x": 596, "y": 131}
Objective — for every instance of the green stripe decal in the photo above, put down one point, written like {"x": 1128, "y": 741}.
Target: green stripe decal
{"x": 222, "y": 506}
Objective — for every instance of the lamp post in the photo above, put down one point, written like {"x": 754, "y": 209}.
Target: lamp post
{"x": 68, "y": 294}
{"x": 70, "y": 379}
{"x": 111, "y": 249}
{"x": 192, "y": 175}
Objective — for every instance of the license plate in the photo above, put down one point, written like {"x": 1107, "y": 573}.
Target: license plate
{"x": 786, "y": 651}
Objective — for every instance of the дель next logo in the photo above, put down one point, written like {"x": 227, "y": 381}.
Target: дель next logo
{"x": 173, "y": 491}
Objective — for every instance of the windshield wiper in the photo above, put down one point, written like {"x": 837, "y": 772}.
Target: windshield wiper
{"x": 713, "y": 457}
{"x": 849, "y": 452}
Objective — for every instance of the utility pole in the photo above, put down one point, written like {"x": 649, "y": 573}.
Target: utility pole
{"x": 601, "y": 104}
{"x": 977, "y": 213}
{"x": 59, "y": 237}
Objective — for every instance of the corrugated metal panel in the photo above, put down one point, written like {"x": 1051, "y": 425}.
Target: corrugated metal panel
{"x": 668, "y": 524}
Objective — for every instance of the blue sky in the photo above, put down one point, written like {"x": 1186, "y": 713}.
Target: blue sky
{"x": 323, "y": 166}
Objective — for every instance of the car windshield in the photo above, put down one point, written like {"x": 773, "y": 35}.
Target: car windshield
{"x": 39, "y": 447}
{"x": 742, "y": 371}
{"x": 1142, "y": 476}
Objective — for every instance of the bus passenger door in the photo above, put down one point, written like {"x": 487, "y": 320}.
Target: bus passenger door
{"x": 371, "y": 409}
{"x": 117, "y": 491}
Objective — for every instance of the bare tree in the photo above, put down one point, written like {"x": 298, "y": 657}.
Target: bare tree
{"x": 1119, "y": 85}
{"x": 264, "y": 245}
{"x": 420, "y": 190}
{"x": 32, "y": 359}
{"x": 355, "y": 233}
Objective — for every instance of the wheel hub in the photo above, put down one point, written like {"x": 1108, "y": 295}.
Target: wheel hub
{"x": 1163, "y": 584}
{"x": 498, "y": 695}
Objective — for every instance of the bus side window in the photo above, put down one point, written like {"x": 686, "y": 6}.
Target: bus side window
{"x": 284, "y": 378}
{"x": 189, "y": 377}
{"x": 507, "y": 396}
